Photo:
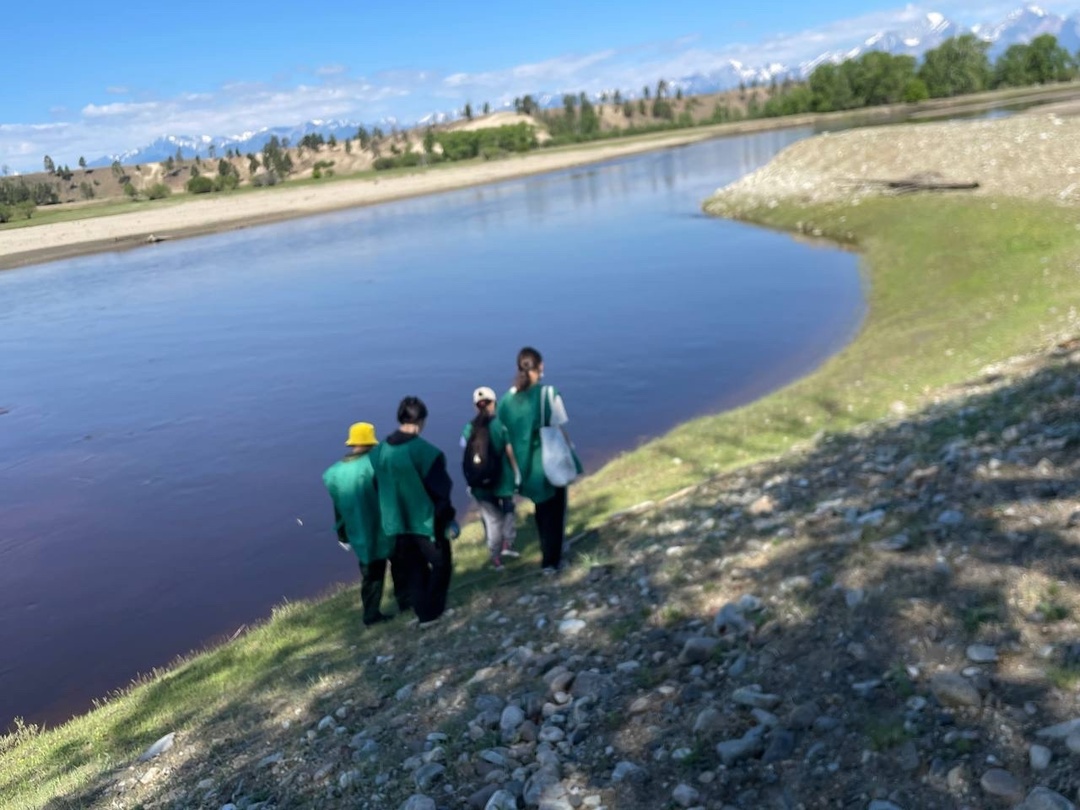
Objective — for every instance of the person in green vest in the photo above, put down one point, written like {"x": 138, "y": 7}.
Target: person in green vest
{"x": 351, "y": 484}
{"x": 520, "y": 411}
{"x": 414, "y": 501}
{"x": 492, "y": 475}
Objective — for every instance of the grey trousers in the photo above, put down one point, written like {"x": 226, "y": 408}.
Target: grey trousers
{"x": 499, "y": 525}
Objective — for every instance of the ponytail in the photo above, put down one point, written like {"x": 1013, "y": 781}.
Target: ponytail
{"x": 528, "y": 359}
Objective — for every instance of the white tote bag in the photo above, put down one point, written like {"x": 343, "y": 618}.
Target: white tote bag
{"x": 556, "y": 455}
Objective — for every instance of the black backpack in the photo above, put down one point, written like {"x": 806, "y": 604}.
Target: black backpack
{"x": 482, "y": 464}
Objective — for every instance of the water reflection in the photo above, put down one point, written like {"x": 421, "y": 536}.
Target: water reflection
{"x": 172, "y": 408}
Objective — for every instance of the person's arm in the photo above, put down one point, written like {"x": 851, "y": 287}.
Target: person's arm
{"x": 514, "y": 465}
{"x": 339, "y": 527}
{"x": 437, "y": 483}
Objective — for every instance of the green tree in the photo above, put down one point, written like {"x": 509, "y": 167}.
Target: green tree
{"x": 50, "y": 167}
{"x": 1048, "y": 62}
{"x": 617, "y": 98}
{"x": 661, "y": 88}
{"x": 117, "y": 169}
{"x": 916, "y": 91}
{"x": 348, "y": 146}
{"x": 82, "y": 162}
{"x": 253, "y": 164}
{"x": 468, "y": 111}
{"x": 956, "y": 67}
{"x": 528, "y": 105}
{"x": 213, "y": 151}
{"x": 331, "y": 142}
{"x": 678, "y": 94}
{"x": 129, "y": 190}
{"x": 646, "y": 92}
{"x": 487, "y": 108}
{"x": 588, "y": 120}
{"x": 363, "y": 136}
{"x": 429, "y": 141}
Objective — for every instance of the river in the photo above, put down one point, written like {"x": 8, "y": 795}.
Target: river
{"x": 167, "y": 412}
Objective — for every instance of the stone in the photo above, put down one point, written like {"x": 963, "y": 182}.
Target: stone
{"x": 685, "y": 796}
{"x": 273, "y": 759}
{"x": 953, "y": 690}
{"x": 907, "y": 757}
{"x": 730, "y": 619}
{"x": 1060, "y": 731}
{"x": 708, "y": 722}
{"x": 754, "y": 698}
{"x": 418, "y": 802}
{"x": 589, "y": 684}
{"x": 325, "y": 723}
{"x": 999, "y": 782}
{"x": 510, "y": 721}
{"x": 763, "y": 506}
{"x": 571, "y": 627}
{"x": 150, "y": 775}
{"x": 853, "y": 597}
{"x": 348, "y": 779}
{"x": 428, "y": 775}
{"x": 698, "y": 650}
{"x": 404, "y": 693}
{"x": 501, "y": 800}
{"x": 747, "y": 746}
{"x": 951, "y": 517}
{"x": 781, "y": 747}
{"x": 629, "y": 772}
{"x": 803, "y": 716}
{"x": 1040, "y": 757}
{"x": 158, "y": 748}
{"x": 958, "y": 779}
{"x": 898, "y": 542}
{"x": 982, "y": 654}
{"x": 1042, "y": 798}
{"x": 1072, "y": 742}
{"x": 544, "y": 784}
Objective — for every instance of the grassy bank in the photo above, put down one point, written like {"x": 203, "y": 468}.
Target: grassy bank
{"x": 954, "y": 284}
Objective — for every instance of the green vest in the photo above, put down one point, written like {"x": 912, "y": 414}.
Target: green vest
{"x": 520, "y": 413}
{"x": 404, "y": 503}
{"x": 500, "y": 437}
{"x": 351, "y": 484}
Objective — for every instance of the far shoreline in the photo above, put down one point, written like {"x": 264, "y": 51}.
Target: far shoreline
{"x": 49, "y": 242}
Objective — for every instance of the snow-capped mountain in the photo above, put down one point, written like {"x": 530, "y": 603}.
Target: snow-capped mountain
{"x": 912, "y": 39}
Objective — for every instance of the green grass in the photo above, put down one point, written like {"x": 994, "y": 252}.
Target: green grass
{"x": 886, "y": 733}
{"x": 1064, "y": 676}
{"x": 954, "y": 283}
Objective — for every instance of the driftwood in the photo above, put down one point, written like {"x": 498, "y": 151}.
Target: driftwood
{"x": 930, "y": 181}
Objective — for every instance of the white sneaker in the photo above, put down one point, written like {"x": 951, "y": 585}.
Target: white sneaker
{"x": 509, "y": 552}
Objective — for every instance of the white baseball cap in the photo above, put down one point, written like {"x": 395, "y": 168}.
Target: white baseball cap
{"x": 483, "y": 393}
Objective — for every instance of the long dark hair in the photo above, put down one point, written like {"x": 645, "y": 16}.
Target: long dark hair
{"x": 528, "y": 359}
{"x": 482, "y": 418}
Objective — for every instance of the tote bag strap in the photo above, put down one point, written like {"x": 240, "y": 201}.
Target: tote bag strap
{"x": 545, "y": 393}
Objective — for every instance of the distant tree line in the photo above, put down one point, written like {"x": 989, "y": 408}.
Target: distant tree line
{"x": 958, "y": 66}
{"x": 489, "y": 143}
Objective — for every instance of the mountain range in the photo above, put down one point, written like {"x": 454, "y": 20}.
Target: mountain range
{"x": 923, "y": 34}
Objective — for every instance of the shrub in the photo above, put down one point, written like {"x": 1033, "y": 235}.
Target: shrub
{"x": 129, "y": 190}
{"x": 200, "y": 185}
{"x": 264, "y": 179}
{"x": 158, "y": 191}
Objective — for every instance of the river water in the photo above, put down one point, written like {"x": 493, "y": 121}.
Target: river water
{"x": 167, "y": 412}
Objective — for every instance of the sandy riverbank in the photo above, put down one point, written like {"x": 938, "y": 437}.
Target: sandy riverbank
{"x": 59, "y": 240}
{"x": 193, "y": 217}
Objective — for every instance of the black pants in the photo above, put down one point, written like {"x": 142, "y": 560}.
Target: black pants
{"x": 551, "y": 527}
{"x": 371, "y": 587}
{"x": 430, "y": 567}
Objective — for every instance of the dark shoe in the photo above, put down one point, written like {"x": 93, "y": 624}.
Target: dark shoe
{"x": 382, "y": 617}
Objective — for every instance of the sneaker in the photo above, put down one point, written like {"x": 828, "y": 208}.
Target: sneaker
{"x": 549, "y": 572}
{"x": 497, "y": 565}
{"x": 509, "y": 552}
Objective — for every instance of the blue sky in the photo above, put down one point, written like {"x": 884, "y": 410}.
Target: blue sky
{"x": 96, "y": 83}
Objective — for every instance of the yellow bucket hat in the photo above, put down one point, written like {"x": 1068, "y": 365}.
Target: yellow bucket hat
{"x": 362, "y": 434}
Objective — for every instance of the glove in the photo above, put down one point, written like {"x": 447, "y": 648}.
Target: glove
{"x": 345, "y": 546}
{"x": 453, "y": 531}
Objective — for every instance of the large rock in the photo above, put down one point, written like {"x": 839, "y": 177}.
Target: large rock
{"x": 1040, "y": 757}
{"x": 685, "y": 796}
{"x": 1045, "y": 799}
{"x": 781, "y": 747}
{"x": 708, "y": 722}
{"x": 954, "y": 690}
{"x": 544, "y": 784}
{"x": 418, "y": 802}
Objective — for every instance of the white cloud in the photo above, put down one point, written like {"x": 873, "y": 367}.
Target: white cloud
{"x": 407, "y": 95}
{"x": 117, "y": 90}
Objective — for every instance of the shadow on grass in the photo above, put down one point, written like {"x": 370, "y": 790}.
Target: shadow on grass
{"x": 856, "y": 628}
